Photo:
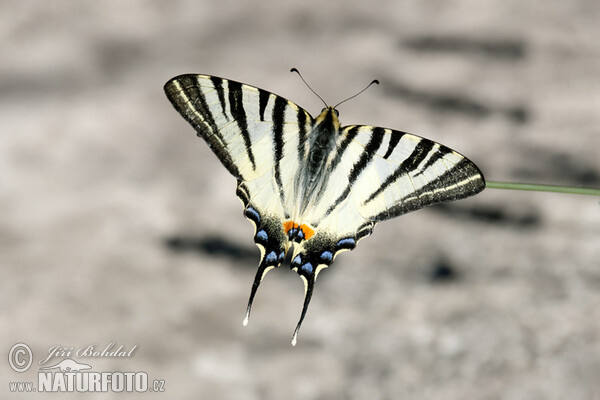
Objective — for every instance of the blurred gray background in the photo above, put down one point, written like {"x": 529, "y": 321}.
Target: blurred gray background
{"x": 119, "y": 225}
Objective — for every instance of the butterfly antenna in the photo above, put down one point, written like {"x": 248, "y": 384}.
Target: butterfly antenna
{"x": 307, "y": 85}
{"x": 310, "y": 283}
{"x": 373, "y": 82}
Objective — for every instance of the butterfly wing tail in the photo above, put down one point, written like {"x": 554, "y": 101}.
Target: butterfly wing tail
{"x": 309, "y": 284}
{"x": 270, "y": 239}
{"x": 308, "y": 267}
{"x": 264, "y": 267}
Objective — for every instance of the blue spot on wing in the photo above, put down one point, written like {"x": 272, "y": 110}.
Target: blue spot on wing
{"x": 297, "y": 260}
{"x": 293, "y": 233}
{"x": 308, "y": 268}
{"x": 326, "y": 256}
{"x": 271, "y": 257}
{"x": 252, "y": 214}
{"x": 262, "y": 235}
{"x": 347, "y": 243}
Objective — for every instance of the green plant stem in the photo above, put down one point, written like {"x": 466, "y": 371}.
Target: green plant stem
{"x": 542, "y": 188}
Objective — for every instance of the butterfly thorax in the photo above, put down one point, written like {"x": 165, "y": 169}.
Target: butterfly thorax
{"x": 311, "y": 178}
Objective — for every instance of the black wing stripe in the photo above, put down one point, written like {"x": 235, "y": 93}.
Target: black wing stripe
{"x": 236, "y": 107}
{"x": 367, "y": 156}
{"x": 192, "y": 90}
{"x": 302, "y": 134}
{"x": 364, "y": 160}
{"x": 278, "y": 119}
{"x": 411, "y": 163}
{"x": 394, "y": 140}
{"x": 350, "y": 135}
{"x": 218, "y": 83}
{"x": 185, "y": 93}
{"x": 437, "y": 155}
{"x": 464, "y": 174}
{"x": 263, "y": 99}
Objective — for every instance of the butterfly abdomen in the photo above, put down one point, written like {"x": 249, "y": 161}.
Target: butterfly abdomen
{"x": 312, "y": 179}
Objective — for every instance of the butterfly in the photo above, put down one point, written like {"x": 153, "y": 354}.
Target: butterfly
{"x": 310, "y": 183}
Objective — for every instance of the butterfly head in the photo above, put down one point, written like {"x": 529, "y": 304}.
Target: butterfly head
{"x": 328, "y": 119}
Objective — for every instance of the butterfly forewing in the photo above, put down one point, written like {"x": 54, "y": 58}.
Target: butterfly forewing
{"x": 365, "y": 174}
{"x": 412, "y": 172}
{"x": 242, "y": 124}
{"x": 378, "y": 173}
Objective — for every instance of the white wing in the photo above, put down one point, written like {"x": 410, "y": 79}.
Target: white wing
{"x": 254, "y": 133}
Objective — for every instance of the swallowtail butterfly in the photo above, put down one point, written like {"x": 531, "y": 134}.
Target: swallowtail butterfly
{"x": 310, "y": 182}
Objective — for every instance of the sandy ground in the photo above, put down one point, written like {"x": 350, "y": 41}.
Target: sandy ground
{"x": 119, "y": 225}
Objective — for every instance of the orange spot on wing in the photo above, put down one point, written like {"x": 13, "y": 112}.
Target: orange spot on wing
{"x": 287, "y": 225}
{"x": 308, "y": 231}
